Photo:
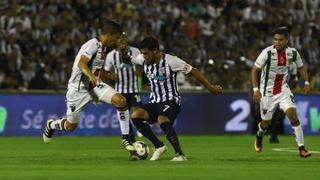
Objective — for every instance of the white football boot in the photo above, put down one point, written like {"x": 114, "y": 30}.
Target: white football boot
{"x": 158, "y": 152}
{"x": 47, "y": 132}
{"x": 179, "y": 157}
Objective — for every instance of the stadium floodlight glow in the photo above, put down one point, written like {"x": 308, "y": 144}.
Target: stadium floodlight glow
{"x": 3, "y": 118}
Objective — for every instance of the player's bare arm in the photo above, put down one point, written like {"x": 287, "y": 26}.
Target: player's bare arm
{"x": 110, "y": 75}
{"x": 200, "y": 77}
{"x": 303, "y": 73}
{"x": 83, "y": 66}
{"x": 254, "y": 79}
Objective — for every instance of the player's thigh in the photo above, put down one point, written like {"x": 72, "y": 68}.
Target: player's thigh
{"x": 152, "y": 112}
{"x": 287, "y": 102}
{"x": 268, "y": 106}
{"x": 168, "y": 111}
{"x": 140, "y": 113}
{"x": 76, "y": 101}
{"x": 103, "y": 92}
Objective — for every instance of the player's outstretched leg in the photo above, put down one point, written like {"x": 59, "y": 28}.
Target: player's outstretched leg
{"x": 123, "y": 114}
{"x": 298, "y": 132}
{"x": 48, "y": 132}
{"x": 258, "y": 145}
{"x": 172, "y": 137}
{"x": 146, "y": 131}
{"x": 60, "y": 124}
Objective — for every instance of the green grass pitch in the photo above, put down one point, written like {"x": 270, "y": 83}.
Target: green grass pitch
{"x": 209, "y": 157}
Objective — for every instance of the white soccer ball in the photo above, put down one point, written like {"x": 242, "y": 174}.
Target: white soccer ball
{"x": 142, "y": 149}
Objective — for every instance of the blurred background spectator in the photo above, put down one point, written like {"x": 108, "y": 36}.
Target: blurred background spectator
{"x": 40, "y": 38}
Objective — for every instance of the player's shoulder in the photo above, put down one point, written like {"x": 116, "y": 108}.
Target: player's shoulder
{"x": 269, "y": 48}
{"x": 111, "y": 53}
{"x": 169, "y": 57}
{"x": 291, "y": 49}
{"x": 134, "y": 49}
{"x": 92, "y": 42}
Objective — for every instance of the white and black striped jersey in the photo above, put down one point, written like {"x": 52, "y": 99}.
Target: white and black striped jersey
{"x": 163, "y": 77}
{"x": 127, "y": 81}
{"x": 96, "y": 52}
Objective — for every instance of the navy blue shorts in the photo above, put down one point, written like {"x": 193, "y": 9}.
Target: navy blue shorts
{"x": 170, "y": 109}
{"x": 133, "y": 99}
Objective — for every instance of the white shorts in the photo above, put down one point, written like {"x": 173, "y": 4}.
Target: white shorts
{"x": 76, "y": 100}
{"x": 269, "y": 104}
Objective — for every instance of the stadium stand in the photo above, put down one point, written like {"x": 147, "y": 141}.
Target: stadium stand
{"x": 39, "y": 38}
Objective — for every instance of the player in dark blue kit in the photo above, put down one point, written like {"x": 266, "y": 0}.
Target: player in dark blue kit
{"x": 125, "y": 76}
{"x": 165, "y": 100}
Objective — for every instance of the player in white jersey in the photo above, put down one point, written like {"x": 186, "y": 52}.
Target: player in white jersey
{"x": 164, "y": 106}
{"x": 85, "y": 85}
{"x": 119, "y": 68}
{"x": 273, "y": 90}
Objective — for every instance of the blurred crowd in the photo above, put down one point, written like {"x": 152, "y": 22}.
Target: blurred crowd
{"x": 40, "y": 38}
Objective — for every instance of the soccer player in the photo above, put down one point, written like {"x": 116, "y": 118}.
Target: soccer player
{"x": 165, "y": 101}
{"x": 125, "y": 74}
{"x": 85, "y": 85}
{"x": 273, "y": 89}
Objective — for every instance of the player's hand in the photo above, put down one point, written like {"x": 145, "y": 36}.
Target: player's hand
{"x": 306, "y": 89}
{"x": 94, "y": 81}
{"x": 256, "y": 96}
{"x": 215, "y": 89}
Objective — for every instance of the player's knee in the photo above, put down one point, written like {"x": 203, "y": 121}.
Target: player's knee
{"x": 71, "y": 127}
{"x": 294, "y": 121}
{"x": 139, "y": 113}
{"x": 163, "y": 119}
{"x": 265, "y": 124}
{"x": 119, "y": 101}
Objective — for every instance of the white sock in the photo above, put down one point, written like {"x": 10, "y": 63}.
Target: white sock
{"x": 123, "y": 117}
{"x": 59, "y": 124}
{"x": 260, "y": 131}
{"x": 298, "y": 132}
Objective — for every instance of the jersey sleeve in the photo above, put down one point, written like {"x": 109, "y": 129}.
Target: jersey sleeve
{"x": 135, "y": 51}
{"x": 139, "y": 59}
{"x": 90, "y": 49}
{"x": 261, "y": 59}
{"x": 178, "y": 64}
{"x": 298, "y": 59}
{"x": 108, "y": 62}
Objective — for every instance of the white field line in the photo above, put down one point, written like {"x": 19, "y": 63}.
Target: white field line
{"x": 291, "y": 150}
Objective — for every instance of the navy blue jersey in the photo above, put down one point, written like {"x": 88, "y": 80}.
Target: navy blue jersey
{"x": 127, "y": 81}
{"x": 163, "y": 77}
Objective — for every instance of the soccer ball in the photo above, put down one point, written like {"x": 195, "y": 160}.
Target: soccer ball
{"x": 142, "y": 149}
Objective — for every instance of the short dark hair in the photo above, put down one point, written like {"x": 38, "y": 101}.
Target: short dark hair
{"x": 282, "y": 30}
{"x": 111, "y": 27}
{"x": 149, "y": 43}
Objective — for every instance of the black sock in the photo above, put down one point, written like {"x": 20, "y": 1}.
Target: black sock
{"x": 172, "y": 136}
{"x": 131, "y": 133}
{"x": 146, "y": 131}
